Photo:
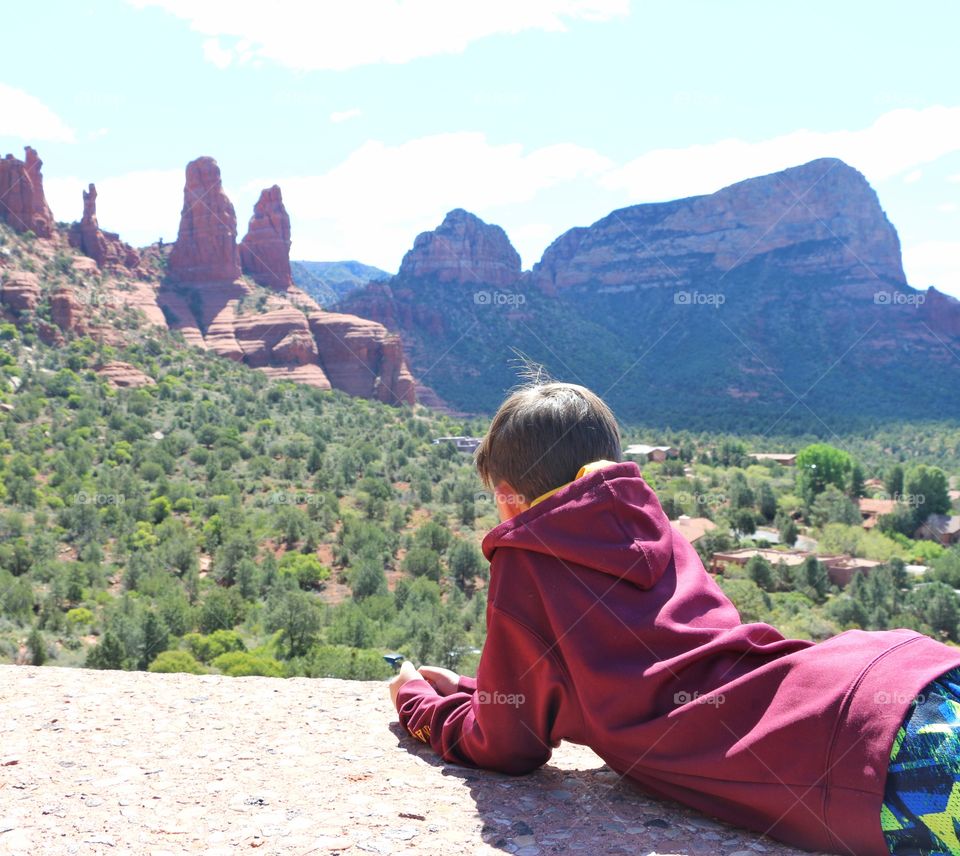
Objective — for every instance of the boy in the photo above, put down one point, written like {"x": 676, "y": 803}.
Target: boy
{"x": 603, "y": 628}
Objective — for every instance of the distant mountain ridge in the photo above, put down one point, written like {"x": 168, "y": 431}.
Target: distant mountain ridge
{"x": 328, "y": 282}
{"x": 778, "y": 303}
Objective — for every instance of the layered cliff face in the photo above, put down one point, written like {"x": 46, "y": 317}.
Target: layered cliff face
{"x": 463, "y": 249}
{"x": 20, "y": 291}
{"x": 23, "y": 205}
{"x": 105, "y": 248}
{"x": 265, "y": 249}
{"x": 346, "y": 342}
{"x": 776, "y": 301}
{"x": 825, "y": 211}
{"x": 206, "y": 247}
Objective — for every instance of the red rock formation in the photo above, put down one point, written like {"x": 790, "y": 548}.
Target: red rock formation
{"x": 50, "y": 334}
{"x": 179, "y": 316}
{"x": 825, "y": 207}
{"x": 463, "y": 249}
{"x": 23, "y": 206}
{"x": 265, "y": 249}
{"x": 218, "y": 317}
{"x": 362, "y": 358}
{"x": 280, "y": 336}
{"x": 309, "y": 375}
{"x": 66, "y": 311}
{"x": 206, "y": 247}
{"x": 105, "y": 248}
{"x": 124, "y": 375}
{"x": 141, "y": 296}
{"x": 21, "y": 291}
{"x": 940, "y": 312}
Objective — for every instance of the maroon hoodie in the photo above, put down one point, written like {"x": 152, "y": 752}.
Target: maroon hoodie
{"x": 604, "y": 629}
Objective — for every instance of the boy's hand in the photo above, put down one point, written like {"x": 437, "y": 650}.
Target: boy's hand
{"x": 408, "y": 672}
{"x": 443, "y": 680}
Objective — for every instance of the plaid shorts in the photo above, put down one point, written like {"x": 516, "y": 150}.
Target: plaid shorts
{"x": 920, "y": 815}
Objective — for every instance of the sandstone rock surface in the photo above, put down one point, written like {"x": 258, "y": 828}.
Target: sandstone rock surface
{"x": 23, "y": 205}
{"x": 463, "y": 249}
{"x": 20, "y": 291}
{"x": 129, "y": 762}
{"x": 67, "y": 311}
{"x": 362, "y": 358}
{"x": 105, "y": 248}
{"x": 824, "y": 208}
{"x": 206, "y": 247}
{"x": 265, "y": 249}
{"x": 120, "y": 374}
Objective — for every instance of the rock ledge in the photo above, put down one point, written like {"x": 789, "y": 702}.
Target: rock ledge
{"x": 129, "y": 762}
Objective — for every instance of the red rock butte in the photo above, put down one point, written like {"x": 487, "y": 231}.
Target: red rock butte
{"x": 265, "y": 249}
{"x": 290, "y": 336}
{"x": 23, "y": 206}
{"x": 463, "y": 249}
{"x": 206, "y": 247}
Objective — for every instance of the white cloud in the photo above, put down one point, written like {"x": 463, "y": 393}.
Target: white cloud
{"x": 215, "y": 54}
{"x": 934, "y": 263}
{"x": 141, "y": 206}
{"x": 954, "y": 178}
{"x": 344, "y": 115}
{"x": 372, "y": 205}
{"x": 307, "y": 35}
{"x": 913, "y": 176}
{"x": 897, "y": 142}
{"x": 28, "y": 118}
{"x": 948, "y": 207}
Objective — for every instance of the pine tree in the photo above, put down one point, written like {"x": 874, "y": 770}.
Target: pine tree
{"x": 37, "y": 647}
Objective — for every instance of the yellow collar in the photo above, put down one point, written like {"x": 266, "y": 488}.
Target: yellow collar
{"x": 584, "y": 470}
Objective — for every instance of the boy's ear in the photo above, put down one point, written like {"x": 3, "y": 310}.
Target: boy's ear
{"x": 509, "y": 502}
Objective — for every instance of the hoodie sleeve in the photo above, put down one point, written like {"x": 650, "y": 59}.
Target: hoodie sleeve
{"x": 507, "y": 723}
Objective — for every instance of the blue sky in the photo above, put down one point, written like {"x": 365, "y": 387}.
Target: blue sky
{"x": 376, "y": 117}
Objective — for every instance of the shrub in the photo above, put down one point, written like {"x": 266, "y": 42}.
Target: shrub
{"x": 422, "y": 562}
{"x": 209, "y": 647}
{"x": 176, "y": 661}
{"x": 79, "y": 615}
{"x": 238, "y": 664}
{"x": 306, "y": 569}
{"x": 341, "y": 661}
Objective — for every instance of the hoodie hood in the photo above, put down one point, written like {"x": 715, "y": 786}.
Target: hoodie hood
{"x": 608, "y": 520}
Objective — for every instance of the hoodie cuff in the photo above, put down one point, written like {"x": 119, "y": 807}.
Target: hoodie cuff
{"x": 417, "y": 688}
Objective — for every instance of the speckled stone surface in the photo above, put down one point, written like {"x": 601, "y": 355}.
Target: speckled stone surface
{"x": 128, "y": 762}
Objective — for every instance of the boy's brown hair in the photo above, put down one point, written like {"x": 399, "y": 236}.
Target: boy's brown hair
{"x": 541, "y": 436}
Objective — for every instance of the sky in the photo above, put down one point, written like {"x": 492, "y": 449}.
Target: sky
{"x": 376, "y": 117}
